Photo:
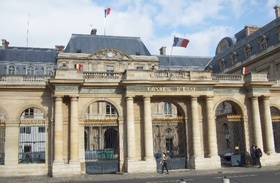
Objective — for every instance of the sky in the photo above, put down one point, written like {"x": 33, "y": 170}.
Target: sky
{"x": 46, "y": 23}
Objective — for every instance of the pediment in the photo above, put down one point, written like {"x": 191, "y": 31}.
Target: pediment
{"x": 109, "y": 54}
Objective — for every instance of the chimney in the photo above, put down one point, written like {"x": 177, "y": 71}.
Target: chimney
{"x": 277, "y": 11}
{"x": 5, "y": 44}
{"x": 93, "y": 31}
{"x": 59, "y": 47}
{"x": 162, "y": 50}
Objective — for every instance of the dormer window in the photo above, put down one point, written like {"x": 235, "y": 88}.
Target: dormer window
{"x": 247, "y": 50}
{"x": 11, "y": 70}
{"x": 233, "y": 57}
{"x": 222, "y": 64}
{"x": 30, "y": 70}
{"x": 263, "y": 42}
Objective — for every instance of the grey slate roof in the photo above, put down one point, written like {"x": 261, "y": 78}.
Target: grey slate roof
{"x": 25, "y": 54}
{"x": 269, "y": 30}
{"x": 90, "y": 43}
{"x": 183, "y": 62}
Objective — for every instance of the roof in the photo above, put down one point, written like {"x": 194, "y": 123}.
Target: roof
{"x": 25, "y": 54}
{"x": 80, "y": 43}
{"x": 183, "y": 62}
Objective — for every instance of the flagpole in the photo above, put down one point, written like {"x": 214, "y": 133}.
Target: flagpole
{"x": 104, "y": 25}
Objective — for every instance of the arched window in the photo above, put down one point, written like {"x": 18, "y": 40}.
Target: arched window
{"x": 11, "y": 70}
{"x": 30, "y": 70}
{"x": 49, "y": 71}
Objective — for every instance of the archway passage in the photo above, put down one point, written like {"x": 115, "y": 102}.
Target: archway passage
{"x": 169, "y": 135}
{"x": 275, "y": 116}
{"x": 230, "y": 133}
{"x": 101, "y": 138}
{"x": 32, "y": 136}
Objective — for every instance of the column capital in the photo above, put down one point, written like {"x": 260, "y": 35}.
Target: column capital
{"x": 129, "y": 96}
{"x": 266, "y": 97}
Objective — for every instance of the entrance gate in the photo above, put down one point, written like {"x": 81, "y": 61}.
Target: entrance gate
{"x": 101, "y": 139}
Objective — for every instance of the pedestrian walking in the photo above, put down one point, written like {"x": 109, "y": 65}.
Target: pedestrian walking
{"x": 253, "y": 154}
{"x": 163, "y": 162}
{"x": 258, "y": 156}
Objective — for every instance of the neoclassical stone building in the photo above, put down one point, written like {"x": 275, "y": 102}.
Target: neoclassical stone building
{"x": 105, "y": 104}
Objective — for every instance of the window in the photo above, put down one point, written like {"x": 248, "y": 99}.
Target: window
{"x": 49, "y": 71}
{"x": 30, "y": 70}
{"x": 11, "y": 70}
{"x": 110, "y": 110}
{"x": 109, "y": 70}
{"x": 222, "y": 64}
{"x": 25, "y": 129}
{"x": 41, "y": 129}
{"x": 263, "y": 42}
{"x": 233, "y": 57}
{"x": 29, "y": 113}
{"x": 167, "y": 108}
{"x": 247, "y": 50}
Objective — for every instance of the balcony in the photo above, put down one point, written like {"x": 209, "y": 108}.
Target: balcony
{"x": 24, "y": 79}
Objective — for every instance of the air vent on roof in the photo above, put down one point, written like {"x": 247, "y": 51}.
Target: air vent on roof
{"x": 137, "y": 53}
{"x": 79, "y": 51}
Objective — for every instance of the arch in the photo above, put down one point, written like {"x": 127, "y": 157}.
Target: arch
{"x": 182, "y": 109}
{"x": 117, "y": 107}
{"x": 237, "y": 104}
{"x": 32, "y": 106}
{"x": 5, "y": 113}
{"x": 230, "y": 126}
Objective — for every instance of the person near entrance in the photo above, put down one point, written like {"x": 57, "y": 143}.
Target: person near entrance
{"x": 163, "y": 162}
{"x": 253, "y": 154}
{"x": 258, "y": 156}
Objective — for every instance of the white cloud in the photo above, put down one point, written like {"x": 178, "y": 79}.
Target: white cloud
{"x": 52, "y": 22}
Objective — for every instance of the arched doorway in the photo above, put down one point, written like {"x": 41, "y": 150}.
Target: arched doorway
{"x": 101, "y": 138}
{"x": 275, "y": 116}
{"x": 169, "y": 134}
{"x": 230, "y": 132}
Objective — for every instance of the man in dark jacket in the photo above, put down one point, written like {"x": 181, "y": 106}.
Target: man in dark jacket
{"x": 258, "y": 156}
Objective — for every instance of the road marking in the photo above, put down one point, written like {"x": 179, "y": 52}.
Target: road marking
{"x": 174, "y": 181}
{"x": 235, "y": 176}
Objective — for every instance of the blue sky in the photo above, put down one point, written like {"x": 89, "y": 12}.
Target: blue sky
{"x": 156, "y": 22}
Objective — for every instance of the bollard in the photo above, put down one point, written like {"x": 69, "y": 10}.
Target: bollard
{"x": 226, "y": 180}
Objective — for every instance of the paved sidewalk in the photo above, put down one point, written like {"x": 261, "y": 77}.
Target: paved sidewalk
{"x": 125, "y": 176}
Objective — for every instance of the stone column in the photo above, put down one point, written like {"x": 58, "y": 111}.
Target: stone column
{"x": 268, "y": 129}
{"x": 148, "y": 128}
{"x": 131, "y": 154}
{"x": 195, "y": 128}
{"x": 256, "y": 122}
{"x": 212, "y": 140}
{"x": 121, "y": 145}
{"x": 74, "y": 130}
{"x": 58, "y": 131}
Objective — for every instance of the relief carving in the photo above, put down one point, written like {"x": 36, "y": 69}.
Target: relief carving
{"x": 109, "y": 54}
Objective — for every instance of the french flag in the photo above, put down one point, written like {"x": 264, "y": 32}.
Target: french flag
{"x": 107, "y": 11}
{"x": 181, "y": 42}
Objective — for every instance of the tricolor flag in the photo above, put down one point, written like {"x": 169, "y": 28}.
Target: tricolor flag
{"x": 244, "y": 70}
{"x": 79, "y": 67}
{"x": 181, "y": 42}
{"x": 107, "y": 11}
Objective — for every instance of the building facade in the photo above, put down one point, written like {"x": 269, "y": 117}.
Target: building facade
{"x": 105, "y": 104}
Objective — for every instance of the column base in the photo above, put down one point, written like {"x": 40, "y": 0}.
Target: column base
{"x": 62, "y": 169}
{"x": 136, "y": 166}
{"x": 202, "y": 163}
